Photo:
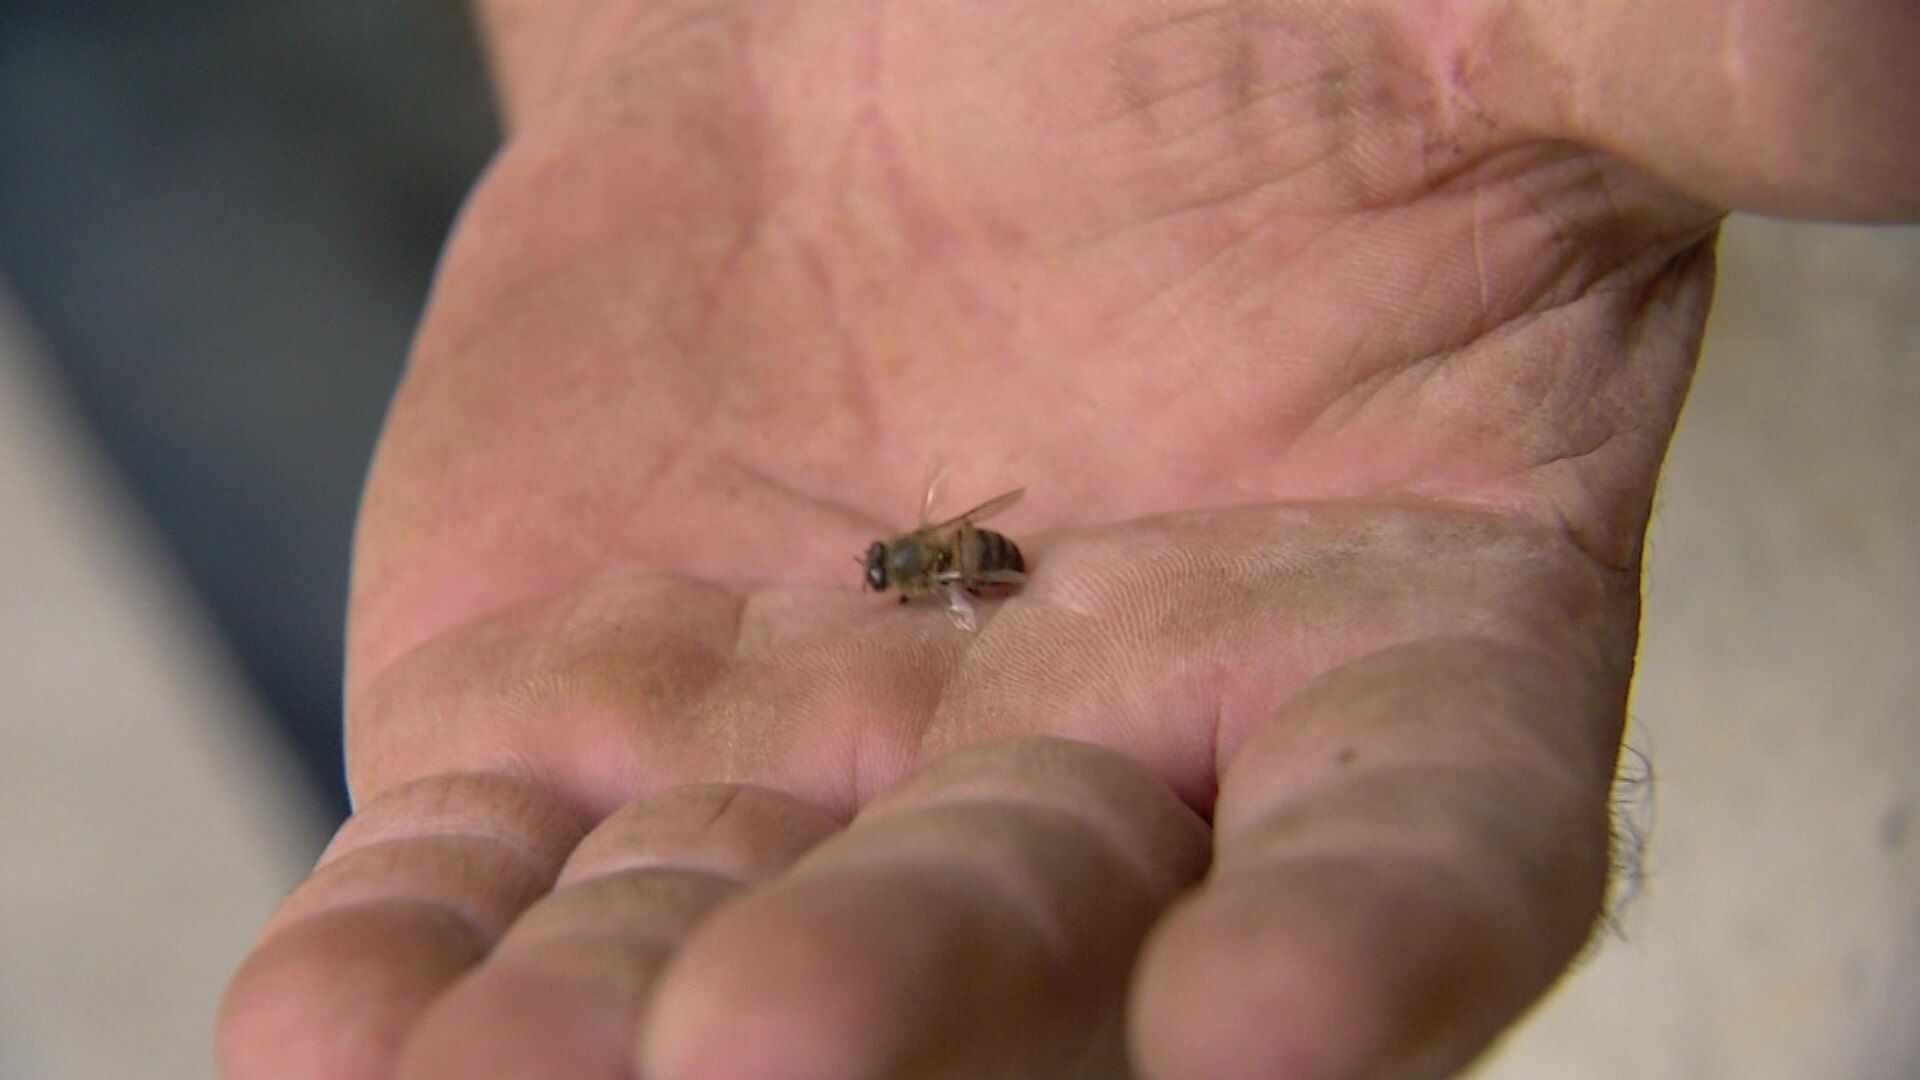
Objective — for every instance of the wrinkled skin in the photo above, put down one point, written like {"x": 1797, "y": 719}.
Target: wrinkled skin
{"x": 1338, "y": 365}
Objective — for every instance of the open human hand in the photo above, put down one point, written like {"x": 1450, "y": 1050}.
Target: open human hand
{"x": 1338, "y": 366}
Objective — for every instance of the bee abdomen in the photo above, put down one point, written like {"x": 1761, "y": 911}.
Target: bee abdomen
{"x": 999, "y": 553}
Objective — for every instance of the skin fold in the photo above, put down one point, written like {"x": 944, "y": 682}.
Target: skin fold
{"x": 1337, "y": 346}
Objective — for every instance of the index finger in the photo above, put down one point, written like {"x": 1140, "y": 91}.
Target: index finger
{"x": 1407, "y": 854}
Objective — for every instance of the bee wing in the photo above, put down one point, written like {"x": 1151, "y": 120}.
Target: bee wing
{"x": 985, "y": 510}
{"x": 960, "y": 609}
{"x": 981, "y": 577}
{"x": 936, "y": 481}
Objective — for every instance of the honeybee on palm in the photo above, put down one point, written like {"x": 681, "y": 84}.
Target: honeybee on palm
{"x": 955, "y": 560}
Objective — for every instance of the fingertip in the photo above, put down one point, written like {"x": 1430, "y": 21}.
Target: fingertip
{"x": 566, "y": 1011}
{"x": 333, "y": 996}
{"x": 1216, "y": 997}
{"x": 776, "y": 991}
{"x": 1327, "y": 969}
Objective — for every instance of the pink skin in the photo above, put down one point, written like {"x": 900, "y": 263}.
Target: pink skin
{"x": 1338, "y": 364}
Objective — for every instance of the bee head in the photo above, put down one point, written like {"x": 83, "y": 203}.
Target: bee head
{"x": 876, "y": 563}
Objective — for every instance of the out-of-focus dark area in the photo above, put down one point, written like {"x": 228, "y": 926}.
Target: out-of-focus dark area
{"x": 220, "y": 217}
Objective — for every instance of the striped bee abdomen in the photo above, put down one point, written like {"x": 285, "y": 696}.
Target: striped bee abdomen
{"x": 992, "y": 551}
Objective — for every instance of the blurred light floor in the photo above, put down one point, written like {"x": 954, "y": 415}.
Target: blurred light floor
{"x": 1777, "y": 936}
{"x": 146, "y": 830}
{"x": 146, "y": 827}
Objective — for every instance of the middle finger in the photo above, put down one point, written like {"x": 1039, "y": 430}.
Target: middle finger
{"x": 978, "y": 919}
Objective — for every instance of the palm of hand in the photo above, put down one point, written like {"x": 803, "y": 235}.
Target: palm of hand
{"x": 1339, "y": 408}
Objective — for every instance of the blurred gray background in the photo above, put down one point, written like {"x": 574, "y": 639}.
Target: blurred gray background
{"x": 219, "y": 217}
{"x": 217, "y": 221}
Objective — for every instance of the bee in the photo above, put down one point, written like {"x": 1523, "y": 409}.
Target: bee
{"x": 954, "y": 559}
